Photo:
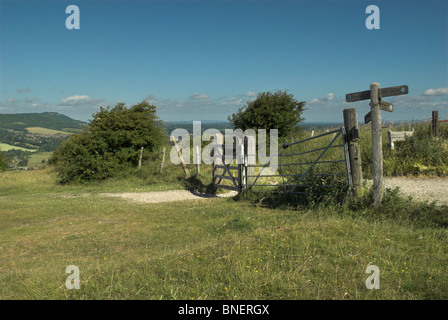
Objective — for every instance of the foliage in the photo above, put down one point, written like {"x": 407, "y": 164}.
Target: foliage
{"x": 110, "y": 144}
{"x": 278, "y": 110}
{"x": 43, "y": 142}
{"x": 16, "y": 156}
{"x": 3, "y": 162}
{"x": 421, "y": 153}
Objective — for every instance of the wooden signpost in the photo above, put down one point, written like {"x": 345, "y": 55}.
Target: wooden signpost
{"x": 375, "y": 94}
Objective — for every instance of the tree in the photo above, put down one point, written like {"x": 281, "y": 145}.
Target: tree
{"x": 3, "y": 162}
{"x": 278, "y": 110}
{"x": 110, "y": 143}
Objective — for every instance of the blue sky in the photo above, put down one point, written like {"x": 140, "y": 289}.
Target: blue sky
{"x": 202, "y": 60}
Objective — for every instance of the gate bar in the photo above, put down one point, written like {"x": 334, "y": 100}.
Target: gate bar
{"x": 311, "y": 138}
{"x": 318, "y": 158}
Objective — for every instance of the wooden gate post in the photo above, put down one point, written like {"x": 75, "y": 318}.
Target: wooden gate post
{"x": 435, "y": 123}
{"x": 198, "y": 162}
{"x": 377, "y": 144}
{"x": 375, "y": 94}
{"x": 218, "y": 155}
{"x": 354, "y": 149}
{"x": 140, "y": 158}
{"x": 163, "y": 159}
{"x": 179, "y": 153}
{"x": 240, "y": 164}
{"x": 250, "y": 158}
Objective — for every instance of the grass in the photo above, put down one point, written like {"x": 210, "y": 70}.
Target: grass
{"x": 7, "y": 147}
{"x": 35, "y": 160}
{"x": 213, "y": 248}
{"x": 45, "y": 131}
{"x": 421, "y": 154}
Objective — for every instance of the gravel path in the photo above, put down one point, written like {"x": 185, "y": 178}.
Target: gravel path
{"x": 430, "y": 189}
{"x": 167, "y": 196}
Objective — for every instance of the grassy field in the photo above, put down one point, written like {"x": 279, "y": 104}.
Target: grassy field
{"x": 212, "y": 248}
{"x": 36, "y": 159}
{"x": 45, "y": 131}
{"x": 6, "y": 147}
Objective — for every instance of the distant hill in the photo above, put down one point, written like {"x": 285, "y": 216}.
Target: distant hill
{"x": 48, "y": 120}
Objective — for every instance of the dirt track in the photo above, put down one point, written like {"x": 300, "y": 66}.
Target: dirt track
{"x": 430, "y": 189}
{"x": 166, "y": 196}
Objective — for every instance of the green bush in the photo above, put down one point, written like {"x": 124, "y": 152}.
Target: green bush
{"x": 421, "y": 153}
{"x": 110, "y": 144}
{"x": 278, "y": 110}
{"x": 3, "y": 163}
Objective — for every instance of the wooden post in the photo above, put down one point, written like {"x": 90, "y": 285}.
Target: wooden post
{"x": 435, "y": 123}
{"x": 376, "y": 105}
{"x": 240, "y": 164}
{"x": 354, "y": 149}
{"x": 198, "y": 162}
{"x": 179, "y": 153}
{"x": 250, "y": 158}
{"x": 163, "y": 159}
{"x": 140, "y": 159}
{"x": 377, "y": 144}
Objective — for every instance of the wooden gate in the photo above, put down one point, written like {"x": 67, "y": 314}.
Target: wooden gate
{"x": 228, "y": 171}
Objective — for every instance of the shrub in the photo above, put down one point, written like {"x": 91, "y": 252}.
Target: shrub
{"x": 3, "y": 163}
{"x": 111, "y": 143}
{"x": 269, "y": 110}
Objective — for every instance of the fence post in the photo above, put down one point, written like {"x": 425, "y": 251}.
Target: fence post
{"x": 377, "y": 144}
{"x": 354, "y": 149}
{"x": 435, "y": 123}
{"x": 198, "y": 162}
{"x": 179, "y": 153}
{"x": 240, "y": 164}
{"x": 140, "y": 159}
{"x": 163, "y": 159}
{"x": 250, "y": 158}
{"x": 218, "y": 156}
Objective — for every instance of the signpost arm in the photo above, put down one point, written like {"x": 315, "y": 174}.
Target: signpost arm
{"x": 377, "y": 145}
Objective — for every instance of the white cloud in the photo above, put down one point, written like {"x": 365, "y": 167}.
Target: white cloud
{"x": 23, "y": 90}
{"x": 199, "y": 96}
{"x": 436, "y": 92}
{"x": 31, "y": 99}
{"x": 152, "y": 99}
{"x": 328, "y": 97}
{"x": 77, "y": 100}
{"x": 251, "y": 94}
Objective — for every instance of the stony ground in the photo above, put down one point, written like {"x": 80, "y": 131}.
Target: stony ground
{"x": 430, "y": 189}
{"x": 166, "y": 196}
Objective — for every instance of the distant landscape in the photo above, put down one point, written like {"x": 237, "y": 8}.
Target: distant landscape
{"x": 22, "y": 134}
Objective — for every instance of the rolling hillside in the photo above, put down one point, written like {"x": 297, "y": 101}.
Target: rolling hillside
{"x": 48, "y": 120}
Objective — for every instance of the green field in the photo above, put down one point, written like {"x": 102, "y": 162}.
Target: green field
{"x": 212, "y": 248}
{"x": 36, "y": 159}
{"x": 45, "y": 131}
{"x": 50, "y": 120}
{"x": 6, "y": 147}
